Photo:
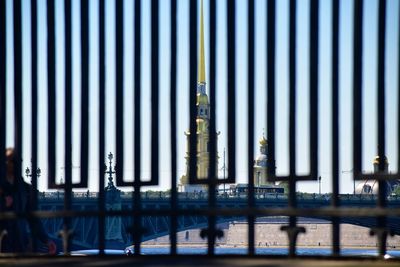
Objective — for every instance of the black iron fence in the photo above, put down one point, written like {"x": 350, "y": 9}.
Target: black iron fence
{"x": 335, "y": 212}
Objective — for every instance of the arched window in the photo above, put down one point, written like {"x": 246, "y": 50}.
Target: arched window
{"x": 367, "y": 189}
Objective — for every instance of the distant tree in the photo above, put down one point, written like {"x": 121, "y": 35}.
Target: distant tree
{"x": 285, "y": 186}
{"x": 396, "y": 190}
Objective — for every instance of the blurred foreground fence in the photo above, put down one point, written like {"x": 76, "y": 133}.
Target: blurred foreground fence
{"x": 251, "y": 211}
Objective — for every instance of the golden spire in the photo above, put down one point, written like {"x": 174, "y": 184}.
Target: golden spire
{"x": 202, "y": 65}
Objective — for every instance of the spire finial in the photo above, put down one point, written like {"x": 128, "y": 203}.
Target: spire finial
{"x": 202, "y": 65}
{"x": 263, "y": 141}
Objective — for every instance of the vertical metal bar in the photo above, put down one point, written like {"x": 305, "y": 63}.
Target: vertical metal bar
{"x": 212, "y": 234}
{"x": 68, "y": 89}
{"x": 154, "y": 92}
{"x": 357, "y": 87}
{"x": 84, "y": 92}
{"x": 231, "y": 36}
{"x": 211, "y": 231}
{"x": 17, "y": 91}
{"x": 292, "y": 118}
{"x": 68, "y": 116}
{"x": 3, "y": 55}
{"x": 192, "y": 93}
{"x": 34, "y": 100}
{"x": 381, "y": 85}
{"x": 51, "y": 93}
{"x": 119, "y": 50}
{"x": 137, "y": 138}
{"x": 212, "y": 171}
{"x": 314, "y": 56}
{"x": 213, "y": 159}
{"x": 174, "y": 197}
{"x": 398, "y": 99}
{"x": 271, "y": 87}
{"x": 250, "y": 124}
{"x": 213, "y": 133}
{"x": 335, "y": 125}
{"x": 18, "y": 180}
{"x": 102, "y": 84}
{"x": 382, "y": 188}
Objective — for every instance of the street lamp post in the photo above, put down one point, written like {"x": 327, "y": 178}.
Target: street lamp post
{"x": 29, "y": 173}
{"x": 319, "y": 182}
{"x": 258, "y": 182}
{"x": 110, "y": 171}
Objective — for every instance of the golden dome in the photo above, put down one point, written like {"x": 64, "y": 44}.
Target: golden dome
{"x": 377, "y": 160}
{"x": 202, "y": 99}
{"x": 263, "y": 141}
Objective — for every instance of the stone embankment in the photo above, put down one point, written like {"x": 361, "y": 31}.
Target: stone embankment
{"x": 268, "y": 234}
{"x": 317, "y": 234}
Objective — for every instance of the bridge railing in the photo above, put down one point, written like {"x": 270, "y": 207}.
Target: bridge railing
{"x": 76, "y": 75}
{"x": 195, "y": 195}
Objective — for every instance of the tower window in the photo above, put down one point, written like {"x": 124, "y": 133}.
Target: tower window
{"x": 201, "y": 111}
{"x": 367, "y": 189}
{"x": 206, "y": 111}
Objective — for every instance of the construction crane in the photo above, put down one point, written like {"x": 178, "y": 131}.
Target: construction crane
{"x": 63, "y": 168}
{"x": 354, "y": 181}
{"x": 224, "y": 168}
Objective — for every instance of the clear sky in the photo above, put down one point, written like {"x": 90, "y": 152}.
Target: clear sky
{"x": 346, "y": 26}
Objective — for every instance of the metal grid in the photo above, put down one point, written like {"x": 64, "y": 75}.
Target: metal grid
{"x": 335, "y": 212}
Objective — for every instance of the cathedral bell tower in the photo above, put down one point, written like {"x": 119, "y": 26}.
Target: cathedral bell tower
{"x": 202, "y": 122}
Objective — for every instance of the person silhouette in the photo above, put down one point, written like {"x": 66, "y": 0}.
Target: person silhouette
{"x": 15, "y": 196}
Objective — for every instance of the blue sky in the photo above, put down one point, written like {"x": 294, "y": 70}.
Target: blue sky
{"x": 346, "y": 26}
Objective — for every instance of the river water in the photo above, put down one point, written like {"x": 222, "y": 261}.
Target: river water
{"x": 269, "y": 251}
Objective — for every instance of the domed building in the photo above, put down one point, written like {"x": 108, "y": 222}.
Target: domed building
{"x": 260, "y": 164}
{"x": 370, "y": 187}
